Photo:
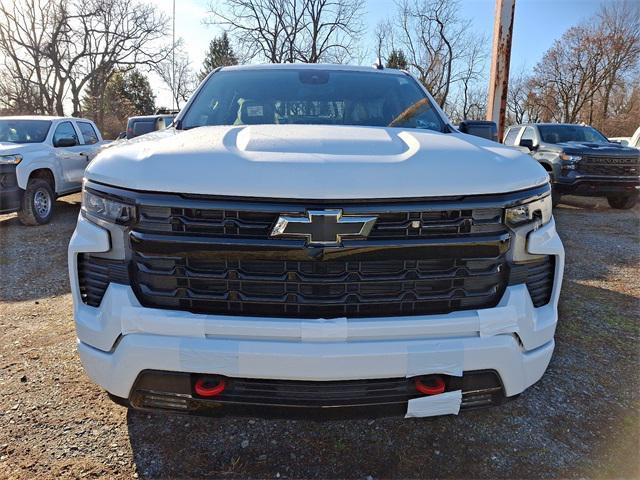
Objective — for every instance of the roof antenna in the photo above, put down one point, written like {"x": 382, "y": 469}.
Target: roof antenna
{"x": 378, "y": 64}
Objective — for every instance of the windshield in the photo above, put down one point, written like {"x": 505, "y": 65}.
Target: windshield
{"x": 312, "y": 97}
{"x": 23, "y": 131}
{"x": 570, "y": 133}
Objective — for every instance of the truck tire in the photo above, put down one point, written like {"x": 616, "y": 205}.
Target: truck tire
{"x": 37, "y": 203}
{"x": 623, "y": 202}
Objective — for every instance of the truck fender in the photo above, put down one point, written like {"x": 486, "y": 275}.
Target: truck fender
{"x": 26, "y": 167}
{"x": 547, "y": 166}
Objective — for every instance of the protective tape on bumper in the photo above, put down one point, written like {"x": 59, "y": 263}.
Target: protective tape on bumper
{"x": 324, "y": 330}
{"x": 443, "y": 358}
{"x": 447, "y": 403}
{"x": 138, "y": 320}
{"x": 498, "y": 320}
{"x": 224, "y": 361}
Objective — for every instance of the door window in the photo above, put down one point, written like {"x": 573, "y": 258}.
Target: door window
{"x": 88, "y": 132}
{"x": 510, "y": 138}
{"x": 64, "y": 130}
{"x": 529, "y": 134}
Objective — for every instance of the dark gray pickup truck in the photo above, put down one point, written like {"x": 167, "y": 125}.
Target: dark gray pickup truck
{"x": 581, "y": 161}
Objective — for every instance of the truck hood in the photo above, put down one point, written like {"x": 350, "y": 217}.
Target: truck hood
{"x": 315, "y": 162}
{"x": 591, "y": 148}
{"x": 10, "y": 148}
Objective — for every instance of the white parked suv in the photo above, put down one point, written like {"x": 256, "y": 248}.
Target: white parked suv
{"x": 314, "y": 238}
{"x": 42, "y": 158}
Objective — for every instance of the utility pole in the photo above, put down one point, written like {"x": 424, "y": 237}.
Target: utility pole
{"x": 500, "y": 57}
{"x": 173, "y": 59}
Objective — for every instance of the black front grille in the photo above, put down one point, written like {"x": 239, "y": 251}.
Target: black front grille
{"x": 214, "y": 255}
{"x": 221, "y": 266}
{"x": 614, "y": 166}
{"x": 317, "y": 289}
{"x": 95, "y": 274}
{"x": 8, "y": 180}
{"x": 253, "y": 223}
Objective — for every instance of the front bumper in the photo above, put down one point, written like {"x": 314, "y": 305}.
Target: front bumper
{"x": 591, "y": 185}
{"x": 121, "y": 339}
{"x": 10, "y": 193}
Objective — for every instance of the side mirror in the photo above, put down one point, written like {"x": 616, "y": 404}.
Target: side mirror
{"x": 480, "y": 128}
{"x": 527, "y": 143}
{"x": 66, "y": 142}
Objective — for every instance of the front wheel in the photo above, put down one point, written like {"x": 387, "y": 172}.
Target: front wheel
{"x": 623, "y": 202}
{"x": 37, "y": 203}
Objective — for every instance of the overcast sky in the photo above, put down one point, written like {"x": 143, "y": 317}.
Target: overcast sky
{"x": 537, "y": 24}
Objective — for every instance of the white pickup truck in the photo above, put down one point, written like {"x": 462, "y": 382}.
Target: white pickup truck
{"x": 635, "y": 139}
{"x": 42, "y": 158}
{"x": 313, "y": 237}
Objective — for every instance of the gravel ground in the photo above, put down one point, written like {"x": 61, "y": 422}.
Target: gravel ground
{"x": 581, "y": 420}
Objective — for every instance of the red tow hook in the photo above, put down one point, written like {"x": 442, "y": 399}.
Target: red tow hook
{"x": 210, "y": 387}
{"x": 431, "y": 385}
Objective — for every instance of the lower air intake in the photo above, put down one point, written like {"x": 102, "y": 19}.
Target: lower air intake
{"x": 95, "y": 274}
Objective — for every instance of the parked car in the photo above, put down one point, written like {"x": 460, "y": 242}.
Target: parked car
{"x": 480, "y": 128}
{"x": 140, "y": 125}
{"x": 581, "y": 161}
{"x": 621, "y": 140}
{"x": 42, "y": 158}
{"x": 635, "y": 139}
{"x": 313, "y": 236}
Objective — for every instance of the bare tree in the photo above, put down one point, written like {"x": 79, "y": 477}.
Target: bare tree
{"x": 437, "y": 41}
{"x": 30, "y": 83}
{"x": 330, "y": 30}
{"x": 181, "y": 78}
{"x": 517, "y": 97}
{"x": 473, "y": 97}
{"x": 469, "y": 103}
{"x": 624, "y": 110}
{"x": 578, "y": 75}
{"x": 570, "y": 73}
{"x": 282, "y": 31}
{"x": 261, "y": 28}
{"x": 100, "y": 35}
{"x": 619, "y": 28}
{"x": 55, "y": 48}
{"x": 382, "y": 35}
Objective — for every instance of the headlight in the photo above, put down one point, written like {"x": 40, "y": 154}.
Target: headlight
{"x": 566, "y": 158}
{"x": 536, "y": 213}
{"x": 106, "y": 207}
{"x": 10, "y": 159}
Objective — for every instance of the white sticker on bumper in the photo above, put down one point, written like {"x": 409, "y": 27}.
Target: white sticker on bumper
{"x": 447, "y": 403}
